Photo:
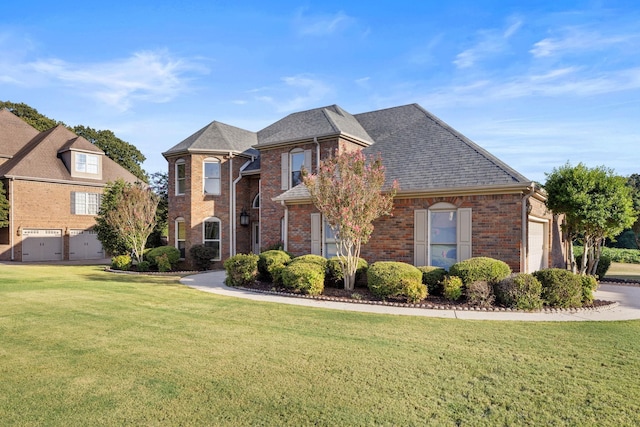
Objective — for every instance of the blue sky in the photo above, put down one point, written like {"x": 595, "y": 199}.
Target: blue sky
{"x": 536, "y": 83}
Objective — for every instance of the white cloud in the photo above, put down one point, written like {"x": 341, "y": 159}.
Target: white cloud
{"x": 322, "y": 25}
{"x": 576, "y": 40}
{"x": 297, "y": 93}
{"x": 490, "y": 42}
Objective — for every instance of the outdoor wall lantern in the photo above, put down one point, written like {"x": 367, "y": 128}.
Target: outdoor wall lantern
{"x": 244, "y": 218}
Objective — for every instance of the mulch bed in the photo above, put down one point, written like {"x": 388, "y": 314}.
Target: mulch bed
{"x": 362, "y": 295}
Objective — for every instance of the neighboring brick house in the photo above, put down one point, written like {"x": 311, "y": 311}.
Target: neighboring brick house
{"x": 54, "y": 181}
{"x": 455, "y": 201}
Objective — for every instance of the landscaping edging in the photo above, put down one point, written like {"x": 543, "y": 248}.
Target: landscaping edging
{"x": 152, "y": 273}
{"x": 607, "y": 305}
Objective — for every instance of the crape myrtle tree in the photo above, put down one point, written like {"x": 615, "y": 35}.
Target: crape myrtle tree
{"x": 346, "y": 189}
{"x": 128, "y": 216}
{"x": 597, "y": 205}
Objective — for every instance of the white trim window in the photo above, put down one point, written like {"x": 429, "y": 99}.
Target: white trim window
{"x": 211, "y": 236}
{"x": 442, "y": 235}
{"x": 85, "y": 203}
{"x": 291, "y": 164}
{"x": 329, "y": 241}
{"x": 87, "y": 163}
{"x": 256, "y": 202}
{"x": 443, "y": 246}
{"x": 181, "y": 237}
{"x": 211, "y": 176}
{"x": 181, "y": 176}
{"x": 295, "y": 166}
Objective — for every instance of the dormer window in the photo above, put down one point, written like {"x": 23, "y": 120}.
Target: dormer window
{"x": 87, "y": 163}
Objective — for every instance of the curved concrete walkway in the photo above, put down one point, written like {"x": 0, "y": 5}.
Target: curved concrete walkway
{"x": 628, "y": 308}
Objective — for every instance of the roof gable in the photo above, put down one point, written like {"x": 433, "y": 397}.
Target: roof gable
{"x": 15, "y": 134}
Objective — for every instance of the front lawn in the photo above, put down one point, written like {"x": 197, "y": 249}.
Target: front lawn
{"x": 79, "y": 346}
{"x": 623, "y": 271}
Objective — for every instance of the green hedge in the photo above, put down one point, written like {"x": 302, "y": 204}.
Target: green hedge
{"x": 522, "y": 291}
{"x": 304, "y": 277}
{"x": 452, "y": 288}
{"x": 201, "y": 255}
{"x": 314, "y": 259}
{"x": 560, "y": 288}
{"x": 396, "y": 279}
{"x": 242, "y": 269}
{"x": 589, "y": 284}
{"x": 603, "y": 264}
{"x": 270, "y": 265}
{"x": 480, "y": 268}
{"x": 627, "y": 256}
{"x": 121, "y": 262}
{"x": 432, "y": 278}
{"x": 173, "y": 255}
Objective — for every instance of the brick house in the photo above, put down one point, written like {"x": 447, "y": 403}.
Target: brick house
{"x": 53, "y": 181}
{"x": 239, "y": 191}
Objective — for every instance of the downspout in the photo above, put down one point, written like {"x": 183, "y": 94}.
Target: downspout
{"x": 233, "y": 206}
{"x": 11, "y": 219}
{"x": 525, "y": 226}
{"x": 232, "y": 215}
{"x": 315, "y": 141}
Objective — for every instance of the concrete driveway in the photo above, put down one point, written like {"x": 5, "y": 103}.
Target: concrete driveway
{"x": 626, "y": 297}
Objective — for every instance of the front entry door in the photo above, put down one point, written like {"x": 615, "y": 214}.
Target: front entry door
{"x": 255, "y": 237}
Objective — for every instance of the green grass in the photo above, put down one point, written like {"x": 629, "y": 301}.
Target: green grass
{"x": 623, "y": 271}
{"x": 79, "y": 346}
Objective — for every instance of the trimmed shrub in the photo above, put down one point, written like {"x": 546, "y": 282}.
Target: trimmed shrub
{"x": 314, "y": 259}
{"x": 560, "y": 288}
{"x": 172, "y": 253}
{"x": 143, "y": 266}
{"x": 521, "y": 291}
{"x": 202, "y": 255}
{"x": 242, "y": 269}
{"x": 396, "y": 279}
{"x": 589, "y": 284}
{"x": 480, "y": 268}
{"x": 163, "y": 263}
{"x": 479, "y": 293}
{"x": 603, "y": 265}
{"x": 121, "y": 262}
{"x": 304, "y": 277}
{"x": 335, "y": 278}
{"x": 270, "y": 265}
{"x": 452, "y": 288}
{"x": 432, "y": 277}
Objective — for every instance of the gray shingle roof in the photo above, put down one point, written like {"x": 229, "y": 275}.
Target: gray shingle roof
{"x": 331, "y": 120}
{"x": 422, "y": 152}
{"x": 217, "y": 137}
{"x": 15, "y": 133}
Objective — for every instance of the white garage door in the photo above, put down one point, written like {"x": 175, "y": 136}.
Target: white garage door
{"x": 537, "y": 246}
{"x": 84, "y": 244}
{"x": 41, "y": 245}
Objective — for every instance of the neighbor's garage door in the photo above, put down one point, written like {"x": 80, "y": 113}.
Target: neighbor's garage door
{"x": 84, "y": 244}
{"x": 537, "y": 246}
{"x": 41, "y": 245}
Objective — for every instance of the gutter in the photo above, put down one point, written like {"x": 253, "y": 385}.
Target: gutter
{"x": 285, "y": 226}
{"x": 525, "y": 225}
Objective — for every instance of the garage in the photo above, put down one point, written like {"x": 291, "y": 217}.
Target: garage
{"x": 84, "y": 244}
{"x": 537, "y": 250}
{"x": 41, "y": 245}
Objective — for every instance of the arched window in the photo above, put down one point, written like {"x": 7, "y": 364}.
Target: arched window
{"x": 181, "y": 236}
{"x": 181, "y": 176}
{"x": 256, "y": 202}
{"x": 211, "y": 176}
{"x": 211, "y": 236}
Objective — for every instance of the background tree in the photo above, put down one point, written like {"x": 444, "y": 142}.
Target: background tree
{"x": 596, "y": 203}
{"x": 4, "y": 207}
{"x": 159, "y": 183}
{"x": 347, "y": 191}
{"x": 634, "y": 183}
{"x": 112, "y": 242}
{"x": 133, "y": 218}
{"x": 121, "y": 152}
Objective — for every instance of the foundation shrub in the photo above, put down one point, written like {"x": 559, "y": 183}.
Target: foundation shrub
{"x": 479, "y": 293}
{"x": 270, "y": 265}
{"x": 560, "y": 288}
{"x": 396, "y": 279}
{"x": 143, "y": 266}
{"x": 121, "y": 262}
{"x": 314, "y": 259}
{"x": 163, "y": 263}
{"x": 242, "y": 269}
{"x": 480, "y": 268}
{"x": 521, "y": 291}
{"x": 304, "y": 277}
{"x": 432, "y": 278}
{"x": 201, "y": 256}
{"x": 335, "y": 278}
{"x": 172, "y": 253}
{"x": 452, "y": 288}
{"x": 589, "y": 284}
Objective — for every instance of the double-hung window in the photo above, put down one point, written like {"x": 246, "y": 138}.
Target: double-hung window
{"x": 181, "y": 237}
{"x": 297, "y": 162}
{"x": 181, "y": 176}
{"x": 211, "y": 236}
{"x": 85, "y": 203}
{"x": 211, "y": 174}
{"x": 86, "y": 163}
